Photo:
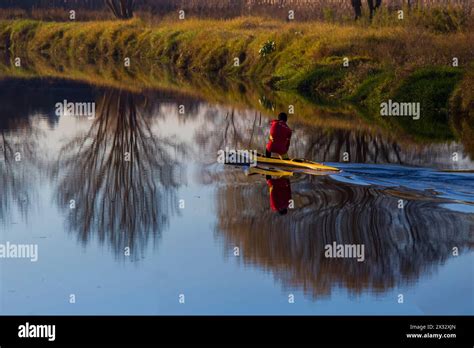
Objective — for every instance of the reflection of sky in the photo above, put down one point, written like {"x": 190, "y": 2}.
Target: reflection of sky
{"x": 190, "y": 259}
{"x": 65, "y": 129}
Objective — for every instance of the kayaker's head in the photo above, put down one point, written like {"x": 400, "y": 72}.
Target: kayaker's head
{"x": 283, "y": 211}
{"x": 283, "y": 117}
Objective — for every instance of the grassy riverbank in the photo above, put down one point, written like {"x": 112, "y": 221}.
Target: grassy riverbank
{"x": 411, "y": 65}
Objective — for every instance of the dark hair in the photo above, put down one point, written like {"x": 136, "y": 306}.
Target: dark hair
{"x": 283, "y": 116}
{"x": 283, "y": 211}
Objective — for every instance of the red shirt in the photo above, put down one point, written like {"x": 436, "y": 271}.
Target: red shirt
{"x": 280, "y": 136}
{"x": 280, "y": 193}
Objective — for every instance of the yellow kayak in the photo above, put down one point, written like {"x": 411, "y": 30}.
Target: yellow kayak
{"x": 295, "y": 163}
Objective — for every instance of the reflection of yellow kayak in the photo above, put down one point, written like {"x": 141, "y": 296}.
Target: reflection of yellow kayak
{"x": 271, "y": 172}
{"x": 295, "y": 163}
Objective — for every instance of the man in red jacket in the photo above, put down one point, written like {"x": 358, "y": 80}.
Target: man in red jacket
{"x": 280, "y": 136}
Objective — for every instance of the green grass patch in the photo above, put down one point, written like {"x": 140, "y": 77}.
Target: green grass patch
{"x": 432, "y": 88}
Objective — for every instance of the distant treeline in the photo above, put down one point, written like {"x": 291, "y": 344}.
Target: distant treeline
{"x": 304, "y": 9}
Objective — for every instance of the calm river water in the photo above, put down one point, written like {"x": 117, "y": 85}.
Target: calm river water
{"x": 130, "y": 210}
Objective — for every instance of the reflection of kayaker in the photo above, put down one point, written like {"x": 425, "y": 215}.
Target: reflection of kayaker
{"x": 279, "y": 186}
{"x": 280, "y": 194}
{"x": 280, "y": 136}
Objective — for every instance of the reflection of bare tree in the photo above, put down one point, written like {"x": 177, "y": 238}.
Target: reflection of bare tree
{"x": 400, "y": 244}
{"x": 362, "y": 147}
{"x": 16, "y": 154}
{"x": 332, "y": 145}
{"x": 233, "y": 129}
{"x": 121, "y": 176}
